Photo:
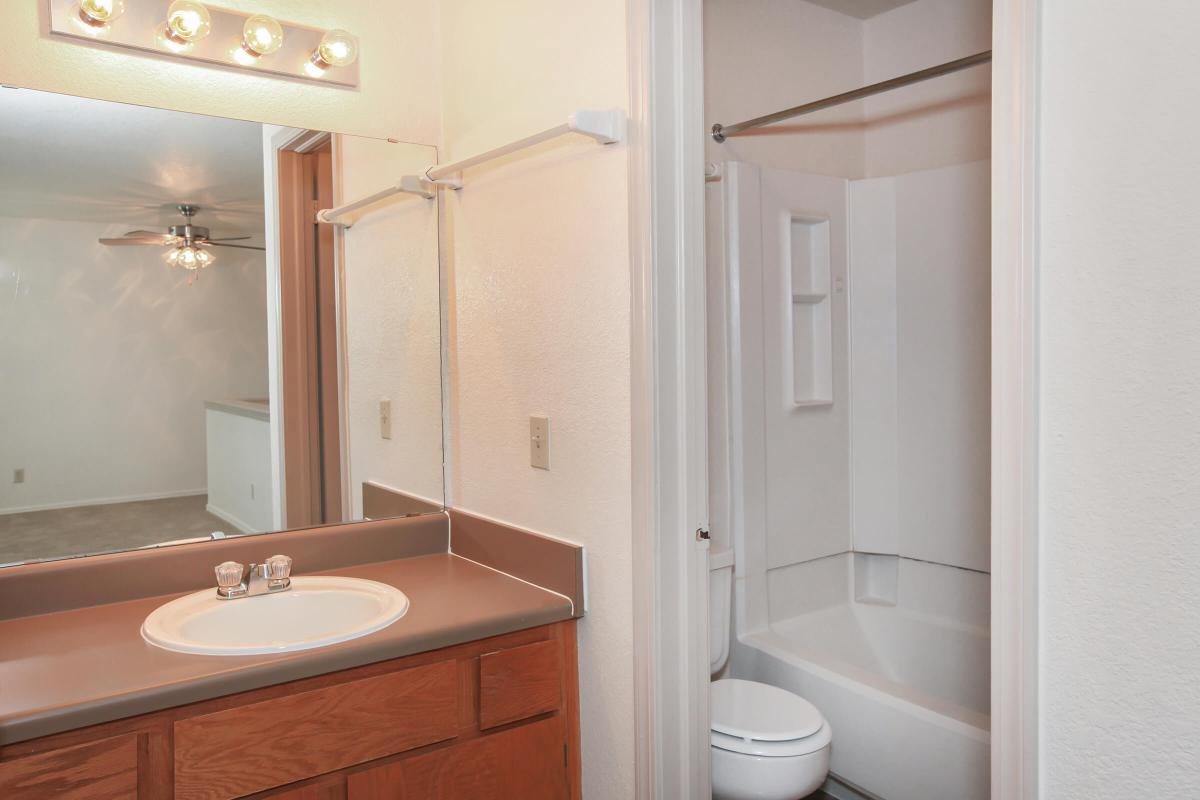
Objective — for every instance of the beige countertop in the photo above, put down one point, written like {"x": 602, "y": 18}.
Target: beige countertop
{"x": 69, "y": 669}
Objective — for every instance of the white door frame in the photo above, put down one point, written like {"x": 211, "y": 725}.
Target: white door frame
{"x": 670, "y": 496}
{"x": 668, "y": 394}
{"x": 1015, "y": 438}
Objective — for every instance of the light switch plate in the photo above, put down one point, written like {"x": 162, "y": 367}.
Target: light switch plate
{"x": 385, "y": 419}
{"x": 539, "y": 442}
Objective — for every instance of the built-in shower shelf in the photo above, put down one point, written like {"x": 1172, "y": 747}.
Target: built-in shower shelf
{"x": 811, "y": 313}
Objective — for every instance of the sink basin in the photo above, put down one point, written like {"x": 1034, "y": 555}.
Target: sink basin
{"x": 317, "y": 611}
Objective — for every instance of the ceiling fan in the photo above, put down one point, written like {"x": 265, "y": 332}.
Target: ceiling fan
{"x": 189, "y": 243}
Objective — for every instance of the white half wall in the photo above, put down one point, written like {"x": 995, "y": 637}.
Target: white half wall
{"x": 107, "y": 356}
{"x": 240, "y": 489}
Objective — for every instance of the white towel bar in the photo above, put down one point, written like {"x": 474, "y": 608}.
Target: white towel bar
{"x": 606, "y": 127}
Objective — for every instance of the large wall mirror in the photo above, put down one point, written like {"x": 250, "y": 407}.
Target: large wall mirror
{"x": 185, "y": 353}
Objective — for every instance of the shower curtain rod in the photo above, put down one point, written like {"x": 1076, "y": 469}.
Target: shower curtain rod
{"x": 722, "y": 132}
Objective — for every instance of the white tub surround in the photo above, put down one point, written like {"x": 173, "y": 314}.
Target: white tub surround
{"x": 857, "y": 461}
{"x": 238, "y": 447}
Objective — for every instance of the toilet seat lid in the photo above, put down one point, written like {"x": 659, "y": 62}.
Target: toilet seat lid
{"x": 761, "y": 712}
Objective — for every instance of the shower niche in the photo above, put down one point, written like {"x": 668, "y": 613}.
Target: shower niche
{"x": 810, "y": 317}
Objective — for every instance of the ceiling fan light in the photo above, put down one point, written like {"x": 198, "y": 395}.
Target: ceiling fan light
{"x": 190, "y": 257}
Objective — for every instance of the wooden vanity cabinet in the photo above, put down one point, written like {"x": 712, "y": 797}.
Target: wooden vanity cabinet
{"x": 496, "y": 718}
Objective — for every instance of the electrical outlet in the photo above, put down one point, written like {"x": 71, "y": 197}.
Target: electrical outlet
{"x": 19, "y": 475}
{"x": 539, "y": 442}
{"x": 385, "y": 419}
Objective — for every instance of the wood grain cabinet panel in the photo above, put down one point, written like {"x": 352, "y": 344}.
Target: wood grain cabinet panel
{"x": 519, "y": 683}
{"x": 332, "y": 789}
{"x": 523, "y": 763}
{"x": 102, "y": 770}
{"x": 258, "y": 746}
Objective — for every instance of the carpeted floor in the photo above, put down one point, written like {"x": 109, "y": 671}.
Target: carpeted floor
{"x": 95, "y": 529}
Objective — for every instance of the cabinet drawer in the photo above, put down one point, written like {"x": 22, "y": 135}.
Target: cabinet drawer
{"x": 270, "y": 743}
{"x": 522, "y": 763}
{"x": 519, "y": 683}
{"x": 103, "y": 770}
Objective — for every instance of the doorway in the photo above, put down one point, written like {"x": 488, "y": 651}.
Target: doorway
{"x": 312, "y": 472}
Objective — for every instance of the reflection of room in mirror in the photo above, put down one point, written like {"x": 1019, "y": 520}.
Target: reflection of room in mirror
{"x": 157, "y": 337}
{"x": 110, "y": 351}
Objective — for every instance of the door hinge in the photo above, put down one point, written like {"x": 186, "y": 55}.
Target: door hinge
{"x": 566, "y": 761}
{"x": 702, "y": 535}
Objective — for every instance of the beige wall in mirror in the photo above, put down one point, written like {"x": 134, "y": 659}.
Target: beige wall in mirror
{"x": 184, "y": 352}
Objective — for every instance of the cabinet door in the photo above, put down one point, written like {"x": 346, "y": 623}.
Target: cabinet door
{"x": 249, "y": 748}
{"x": 103, "y": 770}
{"x": 528, "y": 762}
{"x": 331, "y": 789}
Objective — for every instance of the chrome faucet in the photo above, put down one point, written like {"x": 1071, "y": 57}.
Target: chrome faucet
{"x": 236, "y": 580}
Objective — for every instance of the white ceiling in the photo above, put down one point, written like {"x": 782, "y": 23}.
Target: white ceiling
{"x": 863, "y": 9}
{"x": 65, "y": 157}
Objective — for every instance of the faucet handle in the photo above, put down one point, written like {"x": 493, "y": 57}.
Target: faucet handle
{"x": 279, "y": 568}
{"x": 229, "y": 574}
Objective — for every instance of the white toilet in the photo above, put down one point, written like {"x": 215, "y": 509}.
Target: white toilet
{"x": 767, "y": 743}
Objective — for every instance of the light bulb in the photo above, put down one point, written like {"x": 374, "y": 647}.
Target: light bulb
{"x": 188, "y": 21}
{"x": 337, "y": 49}
{"x": 100, "y": 12}
{"x": 262, "y": 35}
{"x": 190, "y": 257}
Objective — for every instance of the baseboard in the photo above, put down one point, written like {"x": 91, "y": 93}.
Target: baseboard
{"x": 840, "y": 789}
{"x": 232, "y": 520}
{"x": 104, "y": 501}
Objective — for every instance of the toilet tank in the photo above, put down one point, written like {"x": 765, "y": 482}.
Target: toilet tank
{"x": 720, "y": 593}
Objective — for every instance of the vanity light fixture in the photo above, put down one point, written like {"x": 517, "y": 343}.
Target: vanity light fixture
{"x": 187, "y": 22}
{"x": 337, "y": 49}
{"x": 261, "y": 36}
{"x": 99, "y": 13}
{"x": 210, "y": 33}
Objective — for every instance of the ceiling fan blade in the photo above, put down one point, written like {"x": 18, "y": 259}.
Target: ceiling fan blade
{"x": 211, "y": 243}
{"x": 159, "y": 234}
{"x": 130, "y": 240}
{"x": 229, "y": 239}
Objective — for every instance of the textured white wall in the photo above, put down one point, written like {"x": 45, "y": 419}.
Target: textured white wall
{"x": 768, "y": 55}
{"x": 397, "y": 95}
{"x": 939, "y": 122}
{"x": 538, "y": 261}
{"x": 107, "y": 357}
{"x": 392, "y": 312}
{"x": 1120, "y": 394}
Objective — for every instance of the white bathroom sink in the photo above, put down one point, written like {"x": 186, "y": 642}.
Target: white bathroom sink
{"x": 317, "y": 611}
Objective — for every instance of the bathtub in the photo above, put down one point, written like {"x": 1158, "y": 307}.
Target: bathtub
{"x": 905, "y": 690}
